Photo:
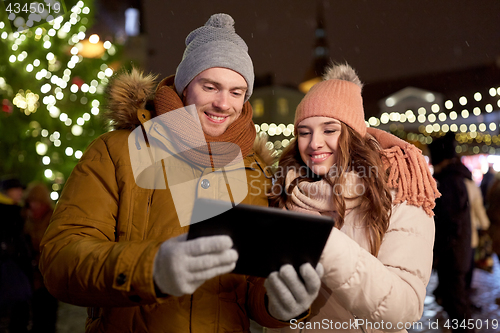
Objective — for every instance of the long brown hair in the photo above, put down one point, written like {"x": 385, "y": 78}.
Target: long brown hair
{"x": 357, "y": 154}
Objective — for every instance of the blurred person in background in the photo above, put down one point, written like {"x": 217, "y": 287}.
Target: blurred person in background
{"x": 15, "y": 260}
{"x": 487, "y": 182}
{"x": 37, "y": 212}
{"x": 11, "y": 191}
{"x": 493, "y": 211}
{"x": 479, "y": 221}
{"x": 452, "y": 246}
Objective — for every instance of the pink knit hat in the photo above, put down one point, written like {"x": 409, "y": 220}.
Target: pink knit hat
{"x": 334, "y": 98}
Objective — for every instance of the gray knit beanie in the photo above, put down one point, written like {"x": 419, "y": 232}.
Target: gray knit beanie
{"x": 215, "y": 44}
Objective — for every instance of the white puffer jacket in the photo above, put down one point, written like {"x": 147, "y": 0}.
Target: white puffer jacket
{"x": 385, "y": 293}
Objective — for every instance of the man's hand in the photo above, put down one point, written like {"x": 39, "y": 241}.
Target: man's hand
{"x": 288, "y": 295}
{"x": 181, "y": 265}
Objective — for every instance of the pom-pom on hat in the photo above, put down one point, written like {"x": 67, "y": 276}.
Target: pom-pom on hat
{"x": 337, "y": 96}
{"x": 215, "y": 44}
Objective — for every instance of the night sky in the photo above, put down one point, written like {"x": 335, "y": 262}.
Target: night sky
{"x": 381, "y": 39}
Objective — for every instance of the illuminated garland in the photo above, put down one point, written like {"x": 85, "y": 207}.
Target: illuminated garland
{"x": 433, "y": 124}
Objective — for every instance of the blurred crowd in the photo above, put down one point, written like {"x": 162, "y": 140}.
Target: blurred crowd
{"x": 25, "y": 303}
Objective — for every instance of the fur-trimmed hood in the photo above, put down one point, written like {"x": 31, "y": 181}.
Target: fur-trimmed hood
{"x": 126, "y": 93}
{"x": 260, "y": 147}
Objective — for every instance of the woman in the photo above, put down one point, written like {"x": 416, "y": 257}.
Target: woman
{"x": 380, "y": 192}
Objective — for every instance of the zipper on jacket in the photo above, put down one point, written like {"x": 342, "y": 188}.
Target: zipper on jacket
{"x": 149, "y": 203}
{"x": 150, "y": 199}
{"x": 190, "y": 313}
{"x": 228, "y": 187}
{"x": 361, "y": 327}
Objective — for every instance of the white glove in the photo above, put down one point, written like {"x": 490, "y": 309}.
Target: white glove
{"x": 182, "y": 265}
{"x": 288, "y": 295}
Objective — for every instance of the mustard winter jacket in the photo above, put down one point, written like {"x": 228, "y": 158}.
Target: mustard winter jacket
{"x": 100, "y": 246}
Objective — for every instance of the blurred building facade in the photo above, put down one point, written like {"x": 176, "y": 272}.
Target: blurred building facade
{"x": 415, "y": 108}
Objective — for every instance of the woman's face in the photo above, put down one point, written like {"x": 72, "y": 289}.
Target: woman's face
{"x": 318, "y": 142}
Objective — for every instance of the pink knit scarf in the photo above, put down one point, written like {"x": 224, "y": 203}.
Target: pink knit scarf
{"x": 317, "y": 197}
{"x": 409, "y": 173}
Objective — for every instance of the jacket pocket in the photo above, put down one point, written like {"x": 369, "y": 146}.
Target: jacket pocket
{"x": 140, "y": 203}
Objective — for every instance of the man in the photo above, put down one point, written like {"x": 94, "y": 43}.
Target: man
{"x": 452, "y": 245}
{"x": 117, "y": 239}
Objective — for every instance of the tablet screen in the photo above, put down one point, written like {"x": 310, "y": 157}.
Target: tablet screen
{"x": 265, "y": 238}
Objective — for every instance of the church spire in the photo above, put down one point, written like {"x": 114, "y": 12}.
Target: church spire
{"x": 321, "y": 54}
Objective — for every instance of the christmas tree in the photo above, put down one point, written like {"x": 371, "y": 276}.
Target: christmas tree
{"x": 53, "y": 77}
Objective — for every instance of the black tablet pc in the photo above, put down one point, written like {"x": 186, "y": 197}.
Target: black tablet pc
{"x": 265, "y": 238}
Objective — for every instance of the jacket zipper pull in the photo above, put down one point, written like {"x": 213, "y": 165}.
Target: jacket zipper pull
{"x": 360, "y": 327}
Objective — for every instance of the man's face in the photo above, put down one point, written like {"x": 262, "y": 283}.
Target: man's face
{"x": 219, "y": 95}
